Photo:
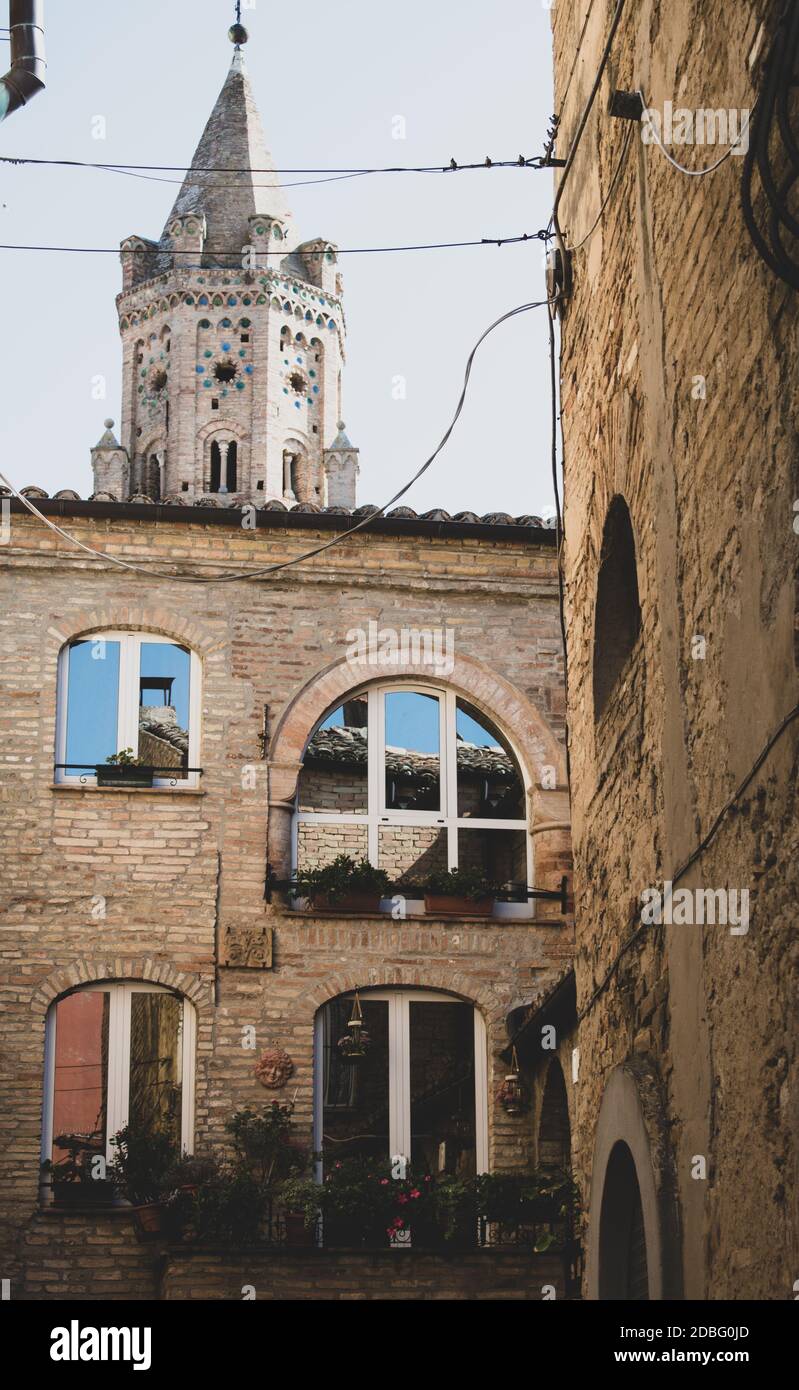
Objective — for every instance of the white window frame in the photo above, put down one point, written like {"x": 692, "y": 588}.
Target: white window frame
{"x": 118, "y": 1081}
{"x": 378, "y": 815}
{"x": 128, "y": 702}
{"x": 399, "y": 1055}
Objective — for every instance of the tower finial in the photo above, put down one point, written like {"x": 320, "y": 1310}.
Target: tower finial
{"x": 237, "y": 32}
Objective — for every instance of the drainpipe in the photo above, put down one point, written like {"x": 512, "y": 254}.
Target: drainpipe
{"x": 25, "y": 77}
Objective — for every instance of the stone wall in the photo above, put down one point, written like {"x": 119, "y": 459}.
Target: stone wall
{"x": 679, "y": 393}
{"x": 168, "y": 884}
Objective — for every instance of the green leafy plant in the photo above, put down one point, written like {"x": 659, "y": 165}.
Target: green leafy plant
{"x": 301, "y": 1195}
{"x": 357, "y": 1201}
{"x": 340, "y": 879}
{"x": 125, "y": 758}
{"x": 263, "y": 1146}
{"x": 230, "y": 1210}
{"x": 143, "y": 1158}
{"x": 460, "y": 883}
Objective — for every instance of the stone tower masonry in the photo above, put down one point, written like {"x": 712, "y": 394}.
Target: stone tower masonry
{"x": 233, "y": 339}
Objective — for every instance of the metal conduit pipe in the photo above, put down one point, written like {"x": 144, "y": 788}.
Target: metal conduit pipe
{"x": 26, "y": 75}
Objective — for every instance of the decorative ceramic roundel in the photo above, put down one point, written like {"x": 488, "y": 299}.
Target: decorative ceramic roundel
{"x": 273, "y": 1068}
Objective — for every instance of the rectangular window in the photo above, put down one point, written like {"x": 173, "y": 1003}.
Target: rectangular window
{"x": 131, "y": 694}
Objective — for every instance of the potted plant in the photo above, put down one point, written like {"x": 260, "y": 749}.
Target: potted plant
{"x": 262, "y": 1143}
{"x": 521, "y": 1202}
{"x": 300, "y": 1197}
{"x": 343, "y": 886}
{"x": 459, "y": 893}
{"x": 77, "y": 1180}
{"x": 143, "y": 1157}
{"x": 231, "y": 1209}
{"x": 357, "y": 1203}
{"x": 124, "y": 769}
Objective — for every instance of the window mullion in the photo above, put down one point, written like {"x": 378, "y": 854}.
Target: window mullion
{"x": 375, "y": 737}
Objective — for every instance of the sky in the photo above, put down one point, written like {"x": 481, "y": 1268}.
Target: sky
{"x": 334, "y": 84}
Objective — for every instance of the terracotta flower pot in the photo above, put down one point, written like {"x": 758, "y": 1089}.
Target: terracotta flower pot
{"x": 297, "y": 1233}
{"x": 452, "y": 905}
{"x": 149, "y": 1220}
{"x": 348, "y": 902}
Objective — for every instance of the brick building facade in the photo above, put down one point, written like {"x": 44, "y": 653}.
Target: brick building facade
{"x": 167, "y": 884}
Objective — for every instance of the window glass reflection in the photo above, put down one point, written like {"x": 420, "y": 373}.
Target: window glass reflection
{"x": 156, "y": 1071}
{"x": 413, "y": 757}
{"x": 80, "y": 1084}
{"x": 164, "y": 695}
{"x": 490, "y": 785}
{"x": 335, "y": 768}
{"x": 92, "y": 704}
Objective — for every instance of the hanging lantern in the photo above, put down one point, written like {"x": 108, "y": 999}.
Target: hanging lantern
{"x": 355, "y": 1043}
{"x": 511, "y": 1093}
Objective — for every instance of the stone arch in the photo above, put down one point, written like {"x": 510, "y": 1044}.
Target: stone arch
{"x": 85, "y": 970}
{"x": 632, "y": 1119}
{"x": 439, "y": 977}
{"x": 489, "y": 692}
{"x": 525, "y": 727}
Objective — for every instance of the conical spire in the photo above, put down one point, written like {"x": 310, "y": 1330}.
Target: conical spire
{"x": 233, "y": 139}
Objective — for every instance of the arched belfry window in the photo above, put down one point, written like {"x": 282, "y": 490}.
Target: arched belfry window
{"x": 224, "y": 463}
{"x": 617, "y": 621}
{"x": 417, "y": 780}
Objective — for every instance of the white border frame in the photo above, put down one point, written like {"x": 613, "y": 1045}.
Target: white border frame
{"x": 128, "y": 702}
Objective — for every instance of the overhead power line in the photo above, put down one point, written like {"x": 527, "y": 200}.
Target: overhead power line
{"x": 155, "y": 248}
{"x": 265, "y": 570}
{"x": 452, "y": 167}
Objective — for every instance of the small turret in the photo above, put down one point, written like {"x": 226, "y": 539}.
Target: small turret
{"x": 110, "y": 465}
{"x": 341, "y": 470}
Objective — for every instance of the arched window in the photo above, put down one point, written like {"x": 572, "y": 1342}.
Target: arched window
{"x": 133, "y": 693}
{"x": 416, "y": 780}
{"x": 618, "y": 612}
{"x": 623, "y": 1272}
{"x": 116, "y": 1054}
{"x": 419, "y": 1091}
{"x": 554, "y": 1132}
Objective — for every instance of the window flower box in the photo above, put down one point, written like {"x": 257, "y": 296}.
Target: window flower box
{"x": 457, "y": 905}
{"x": 124, "y": 775}
{"x": 459, "y": 893}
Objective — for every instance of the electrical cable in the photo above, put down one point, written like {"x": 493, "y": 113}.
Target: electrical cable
{"x": 568, "y": 166}
{"x": 453, "y": 167}
{"x": 261, "y": 572}
{"x": 680, "y": 873}
{"x": 559, "y": 531}
{"x": 765, "y": 150}
{"x": 609, "y": 194}
{"x": 155, "y": 249}
{"x": 693, "y": 173}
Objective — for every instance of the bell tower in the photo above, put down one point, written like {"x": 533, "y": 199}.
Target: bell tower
{"x": 233, "y": 335}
